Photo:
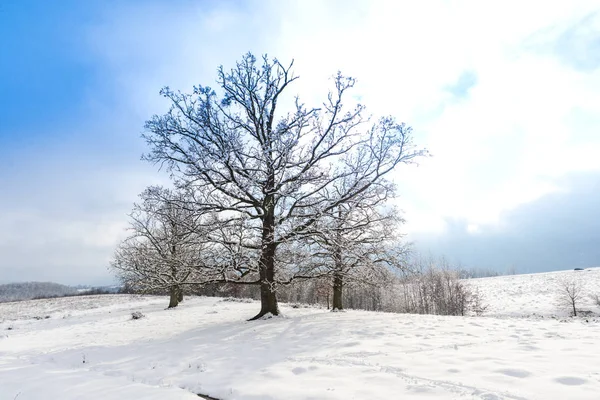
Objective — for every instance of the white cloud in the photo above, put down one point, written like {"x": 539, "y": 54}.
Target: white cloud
{"x": 500, "y": 147}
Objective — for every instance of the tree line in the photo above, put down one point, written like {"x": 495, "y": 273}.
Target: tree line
{"x": 33, "y": 290}
{"x": 267, "y": 195}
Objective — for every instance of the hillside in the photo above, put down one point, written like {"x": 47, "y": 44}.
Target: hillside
{"x": 536, "y": 294}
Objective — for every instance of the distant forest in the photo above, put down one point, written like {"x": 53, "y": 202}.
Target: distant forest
{"x": 33, "y": 290}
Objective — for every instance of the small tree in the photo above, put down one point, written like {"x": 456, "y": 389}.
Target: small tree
{"x": 163, "y": 251}
{"x": 322, "y": 290}
{"x": 596, "y": 299}
{"x": 356, "y": 243}
{"x": 570, "y": 293}
{"x": 432, "y": 287}
{"x": 477, "y": 302}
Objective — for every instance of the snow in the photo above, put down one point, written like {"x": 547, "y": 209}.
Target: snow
{"x": 91, "y": 348}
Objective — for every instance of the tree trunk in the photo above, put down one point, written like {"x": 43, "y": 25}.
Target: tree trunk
{"x": 574, "y": 309}
{"x": 180, "y": 295}
{"x": 338, "y": 279}
{"x": 268, "y": 298}
{"x": 174, "y": 296}
{"x": 338, "y": 285}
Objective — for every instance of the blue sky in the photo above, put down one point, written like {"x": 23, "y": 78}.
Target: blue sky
{"x": 510, "y": 112}
{"x": 42, "y": 70}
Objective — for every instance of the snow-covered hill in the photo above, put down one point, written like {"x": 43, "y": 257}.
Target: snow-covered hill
{"x": 536, "y": 294}
{"x": 90, "y": 348}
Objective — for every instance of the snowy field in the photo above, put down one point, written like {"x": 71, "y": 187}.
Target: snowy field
{"x": 90, "y": 348}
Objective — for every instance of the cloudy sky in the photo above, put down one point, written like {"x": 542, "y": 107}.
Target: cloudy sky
{"x": 505, "y": 95}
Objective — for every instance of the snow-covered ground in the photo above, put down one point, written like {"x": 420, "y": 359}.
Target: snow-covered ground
{"x": 90, "y": 348}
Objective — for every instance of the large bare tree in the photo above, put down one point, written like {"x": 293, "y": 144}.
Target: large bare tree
{"x": 276, "y": 170}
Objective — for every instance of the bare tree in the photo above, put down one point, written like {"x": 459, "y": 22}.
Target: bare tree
{"x": 163, "y": 252}
{"x": 275, "y": 170}
{"x": 357, "y": 242}
{"x": 570, "y": 293}
{"x": 322, "y": 291}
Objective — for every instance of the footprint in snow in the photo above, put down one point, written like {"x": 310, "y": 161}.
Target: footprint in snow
{"x": 529, "y": 347}
{"x": 570, "y": 380}
{"x": 299, "y": 370}
{"x": 516, "y": 373}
